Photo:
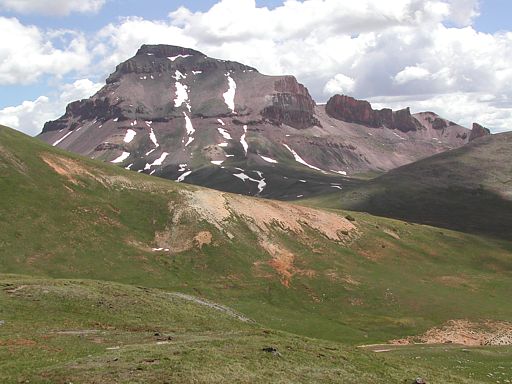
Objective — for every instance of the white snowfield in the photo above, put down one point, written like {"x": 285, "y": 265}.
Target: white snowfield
{"x": 261, "y": 183}
{"x": 221, "y": 122}
{"x": 121, "y": 158}
{"x": 229, "y": 95}
{"x": 62, "y": 139}
{"x": 157, "y": 162}
{"x": 190, "y": 129}
{"x": 243, "y": 141}
{"x": 340, "y": 172}
{"x": 182, "y": 177}
{"x": 130, "y": 135}
{"x": 225, "y": 134}
{"x": 269, "y": 160}
{"x": 173, "y": 58}
{"x": 181, "y": 94}
{"x": 152, "y": 136}
{"x": 300, "y": 159}
{"x": 217, "y": 162}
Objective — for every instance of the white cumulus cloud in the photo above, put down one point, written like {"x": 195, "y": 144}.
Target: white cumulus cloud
{"x": 30, "y": 116}
{"x": 51, "y": 7}
{"x": 411, "y": 73}
{"x": 27, "y": 53}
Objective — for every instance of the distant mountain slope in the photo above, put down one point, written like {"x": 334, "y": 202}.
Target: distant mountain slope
{"x": 467, "y": 189}
{"x": 360, "y": 279}
{"x": 175, "y": 113}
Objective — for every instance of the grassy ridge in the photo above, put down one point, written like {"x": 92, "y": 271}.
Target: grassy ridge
{"x": 391, "y": 280}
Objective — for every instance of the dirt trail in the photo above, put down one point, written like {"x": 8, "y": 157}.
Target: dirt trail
{"x": 209, "y": 304}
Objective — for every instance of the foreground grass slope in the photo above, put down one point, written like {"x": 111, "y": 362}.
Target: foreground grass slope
{"x": 468, "y": 189}
{"x": 292, "y": 268}
{"x": 62, "y": 331}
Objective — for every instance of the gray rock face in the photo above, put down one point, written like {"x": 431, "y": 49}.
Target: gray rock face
{"x": 176, "y": 113}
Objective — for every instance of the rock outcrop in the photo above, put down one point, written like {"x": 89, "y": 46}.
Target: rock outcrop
{"x": 351, "y": 110}
{"x": 478, "y": 131}
{"x": 291, "y": 105}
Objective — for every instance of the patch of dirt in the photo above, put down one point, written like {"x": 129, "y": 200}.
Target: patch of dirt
{"x": 69, "y": 168}
{"x": 262, "y": 217}
{"x": 203, "y": 238}
{"x": 465, "y": 332}
{"x": 283, "y": 262}
{"x": 217, "y": 208}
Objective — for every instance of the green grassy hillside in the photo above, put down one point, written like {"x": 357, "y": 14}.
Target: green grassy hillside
{"x": 84, "y": 331}
{"x": 291, "y": 268}
{"x": 468, "y": 189}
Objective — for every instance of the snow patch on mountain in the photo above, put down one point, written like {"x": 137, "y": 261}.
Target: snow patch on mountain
{"x": 173, "y": 58}
{"x": 157, "y": 162}
{"x": 190, "y": 129}
{"x": 62, "y": 139}
{"x": 300, "y": 159}
{"x": 229, "y": 95}
{"x": 225, "y": 134}
{"x": 340, "y": 172}
{"x": 182, "y": 177}
{"x": 121, "y": 158}
{"x": 269, "y": 160}
{"x": 130, "y": 135}
{"x": 243, "y": 141}
{"x": 261, "y": 183}
{"x": 152, "y": 136}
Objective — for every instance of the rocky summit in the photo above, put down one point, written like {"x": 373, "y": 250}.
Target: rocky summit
{"x": 176, "y": 113}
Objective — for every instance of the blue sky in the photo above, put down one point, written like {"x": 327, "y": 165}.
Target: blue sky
{"x": 430, "y": 55}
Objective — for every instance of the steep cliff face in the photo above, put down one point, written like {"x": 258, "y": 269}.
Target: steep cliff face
{"x": 478, "y": 131}
{"x": 291, "y": 105}
{"x": 351, "y": 110}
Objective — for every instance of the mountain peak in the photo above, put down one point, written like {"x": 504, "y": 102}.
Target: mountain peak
{"x": 167, "y": 51}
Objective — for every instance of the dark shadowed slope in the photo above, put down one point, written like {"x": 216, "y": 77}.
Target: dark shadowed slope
{"x": 467, "y": 189}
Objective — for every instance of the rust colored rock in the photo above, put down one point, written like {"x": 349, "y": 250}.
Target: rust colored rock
{"x": 351, "y": 110}
{"x": 478, "y": 131}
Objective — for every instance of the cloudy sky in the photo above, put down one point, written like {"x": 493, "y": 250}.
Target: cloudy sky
{"x": 450, "y": 56}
